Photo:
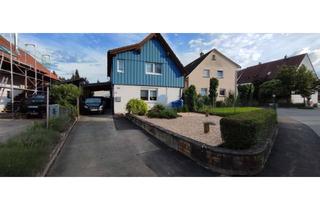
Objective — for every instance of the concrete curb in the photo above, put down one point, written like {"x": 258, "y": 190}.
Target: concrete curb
{"x": 57, "y": 149}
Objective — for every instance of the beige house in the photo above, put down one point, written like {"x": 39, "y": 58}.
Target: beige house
{"x": 212, "y": 64}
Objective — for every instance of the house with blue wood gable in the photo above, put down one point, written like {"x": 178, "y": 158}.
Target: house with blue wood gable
{"x": 148, "y": 70}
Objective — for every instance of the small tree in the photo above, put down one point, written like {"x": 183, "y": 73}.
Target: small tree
{"x": 245, "y": 94}
{"x": 306, "y": 83}
{"x": 214, "y": 83}
{"x": 65, "y": 95}
{"x": 269, "y": 88}
{"x": 190, "y": 97}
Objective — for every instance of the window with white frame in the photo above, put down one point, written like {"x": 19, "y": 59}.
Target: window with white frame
{"x": 149, "y": 94}
{"x": 222, "y": 92}
{"x": 120, "y": 66}
{"x": 206, "y": 73}
{"x": 153, "y": 68}
{"x": 219, "y": 74}
{"x": 204, "y": 91}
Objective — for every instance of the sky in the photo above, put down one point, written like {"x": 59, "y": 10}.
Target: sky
{"x": 87, "y": 52}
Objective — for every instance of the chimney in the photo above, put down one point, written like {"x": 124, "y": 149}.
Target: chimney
{"x": 201, "y": 54}
{"x": 285, "y": 57}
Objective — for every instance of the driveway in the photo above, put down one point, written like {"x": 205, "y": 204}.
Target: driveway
{"x": 113, "y": 146}
{"x": 10, "y": 127}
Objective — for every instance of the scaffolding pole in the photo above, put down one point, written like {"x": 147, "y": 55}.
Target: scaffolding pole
{"x": 11, "y": 69}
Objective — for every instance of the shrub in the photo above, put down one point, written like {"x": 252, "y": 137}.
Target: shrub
{"x": 190, "y": 97}
{"x": 241, "y": 131}
{"x": 159, "y": 111}
{"x": 137, "y": 106}
{"x": 182, "y": 109}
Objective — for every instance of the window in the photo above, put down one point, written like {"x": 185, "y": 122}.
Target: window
{"x": 149, "y": 95}
{"x": 219, "y": 74}
{"x": 203, "y": 91}
{"x": 153, "y": 68}
{"x": 222, "y": 92}
{"x": 206, "y": 73}
{"x": 153, "y": 95}
{"x": 120, "y": 66}
{"x": 213, "y": 57}
{"x": 144, "y": 95}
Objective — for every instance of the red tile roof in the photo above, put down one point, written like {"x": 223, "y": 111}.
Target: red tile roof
{"x": 267, "y": 71}
{"x": 25, "y": 58}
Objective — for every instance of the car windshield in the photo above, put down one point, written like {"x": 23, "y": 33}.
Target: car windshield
{"x": 93, "y": 100}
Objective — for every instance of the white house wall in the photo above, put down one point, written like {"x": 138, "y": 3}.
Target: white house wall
{"x": 297, "y": 99}
{"x": 166, "y": 95}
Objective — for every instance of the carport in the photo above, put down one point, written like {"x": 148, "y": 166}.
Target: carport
{"x": 89, "y": 90}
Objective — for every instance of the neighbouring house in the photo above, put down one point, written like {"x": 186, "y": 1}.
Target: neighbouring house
{"x": 212, "y": 64}
{"x": 268, "y": 71}
{"x": 148, "y": 70}
{"x": 26, "y": 80}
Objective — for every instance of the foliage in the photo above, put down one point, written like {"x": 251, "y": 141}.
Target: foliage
{"x": 287, "y": 76}
{"x": 183, "y": 109}
{"x": 27, "y": 153}
{"x": 202, "y": 101}
{"x": 159, "y": 111}
{"x": 305, "y": 82}
{"x": 190, "y": 97}
{"x": 268, "y": 88}
{"x": 214, "y": 83}
{"x": 60, "y": 123}
{"x": 66, "y": 95}
{"x": 246, "y": 94}
{"x": 230, "y": 100}
{"x": 245, "y": 130}
{"x": 137, "y": 106}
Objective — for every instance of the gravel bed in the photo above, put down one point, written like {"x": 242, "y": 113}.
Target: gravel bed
{"x": 191, "y": 125}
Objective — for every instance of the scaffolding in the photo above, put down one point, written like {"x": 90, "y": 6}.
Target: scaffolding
{"x": 29, "y": 76}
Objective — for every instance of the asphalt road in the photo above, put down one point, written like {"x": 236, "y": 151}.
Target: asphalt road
{"x": 10, "y": 128}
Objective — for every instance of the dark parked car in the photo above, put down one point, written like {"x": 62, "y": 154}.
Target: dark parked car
{"x": 94, "y": 104}
{"x": 36, "y": 106}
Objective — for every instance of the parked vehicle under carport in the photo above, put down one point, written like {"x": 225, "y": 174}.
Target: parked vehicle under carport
{"x": 94, "y": 105}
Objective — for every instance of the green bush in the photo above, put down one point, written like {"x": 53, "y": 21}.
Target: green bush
{"x": 190, "y": 98}
{"x": 137, "y": 106}
{"x": 159, "y": 111}
{"x": 182, "y": 109}
{"x": 244, "y": 130}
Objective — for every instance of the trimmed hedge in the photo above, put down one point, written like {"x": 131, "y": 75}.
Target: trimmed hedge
{"x": 160, "y": 111}
{"x": 137, "y": 106}
{"x": 244, "y": 130}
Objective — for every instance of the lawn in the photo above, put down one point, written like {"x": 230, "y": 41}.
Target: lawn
{"x": 227, "y": 111}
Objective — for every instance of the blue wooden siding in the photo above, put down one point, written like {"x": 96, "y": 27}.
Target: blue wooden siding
{"x": 134, "y": 64}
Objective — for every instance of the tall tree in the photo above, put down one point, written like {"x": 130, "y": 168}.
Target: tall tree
{"x": 287, "y": 75}
{"x": 214, "y": 83}
{"x": 270, "y": 88}
{"x": 306, "y": 83}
